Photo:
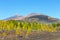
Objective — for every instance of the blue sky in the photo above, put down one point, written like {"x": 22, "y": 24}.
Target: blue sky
{"x": 23, "y": 7}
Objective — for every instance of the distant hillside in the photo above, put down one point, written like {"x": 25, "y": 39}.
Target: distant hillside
{"x": 42, "y": 19}
{"x": 35, "y": 18}
{"x": 15, "y": 17}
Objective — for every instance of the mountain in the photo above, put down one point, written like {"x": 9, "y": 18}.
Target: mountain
{"x": 34, "y": 17}
{"x": 15, "y": 17}
{"x": 41, "y": 18}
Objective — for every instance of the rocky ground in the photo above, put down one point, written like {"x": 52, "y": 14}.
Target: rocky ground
{"x": 34, "y": 36}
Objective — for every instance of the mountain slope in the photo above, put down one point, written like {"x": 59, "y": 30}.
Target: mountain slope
{"x": 15, "y": 17}
{"x": 42, "y": 18}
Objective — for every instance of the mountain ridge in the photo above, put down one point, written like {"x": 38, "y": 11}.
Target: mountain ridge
{"x": 34, "y": 17}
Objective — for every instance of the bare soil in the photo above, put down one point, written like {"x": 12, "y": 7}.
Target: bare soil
{"x": 34, "y": 36}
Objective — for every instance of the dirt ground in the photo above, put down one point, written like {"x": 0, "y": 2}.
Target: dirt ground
{"x": 34, "y": 36}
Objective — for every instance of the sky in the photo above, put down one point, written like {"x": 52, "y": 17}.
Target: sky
{"x": 24, "y": 7}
